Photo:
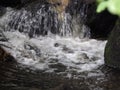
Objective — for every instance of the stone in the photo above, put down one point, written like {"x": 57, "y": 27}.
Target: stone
{"x": 15, "y": 3}
{"x": 11, "y": 3}
{"x": 2, "y": 11}
{"x": 112, "y": 49}
{"x": 5, "y": 56}
{"x": 100, "y": 24}
{"x": 59, "y": 67}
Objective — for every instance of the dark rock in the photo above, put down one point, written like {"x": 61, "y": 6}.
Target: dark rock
{"x": 2, "y": 37}
{"x": 56, "y": 44}
{"x": 9, "y": 58}
{"x": 112, "y": 50}
{"x": 101, "y": 24}
{"x": 67, "y": 50}
{"x": 58, "y": 67}
{"x": 9, "y": 3}
{"x": 2, "y": 11}
{"x": 5, "y": 56}
{"x": 15, "y": 3}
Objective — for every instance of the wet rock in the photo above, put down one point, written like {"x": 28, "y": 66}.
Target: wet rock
{"x": 56, "y": 44}
{"x": 11, "y": 3}
{"x": 33, "y": 48}
{"x": 94, "y": 58}
{"x": 67, "y": 50}
{"x": 101, "y": 24}
{"x": 83, "y": 58}
{"x": 5, "y": 56}
{"x": 54, "y": 60}
{"x": 16, "y": 3}
{"x": 2, "y": 37}
{"x": 2, "y": 11}
{"x": 112, "y": 50}
{"x": 58, "y": 67}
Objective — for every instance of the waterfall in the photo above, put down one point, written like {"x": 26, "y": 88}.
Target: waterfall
{"x": 47, "y": 46}
{"x": 40, "y": 37}
{"x": 45, "y": 19}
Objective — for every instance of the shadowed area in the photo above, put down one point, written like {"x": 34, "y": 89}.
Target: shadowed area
{"x": 16, "y": 78}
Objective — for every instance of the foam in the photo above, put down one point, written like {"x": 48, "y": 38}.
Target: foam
{"x": 79, "y": 54}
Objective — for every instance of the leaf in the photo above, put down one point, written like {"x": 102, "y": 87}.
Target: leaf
{"x": 102, "y": 6}
{"x": 114, "y": 7}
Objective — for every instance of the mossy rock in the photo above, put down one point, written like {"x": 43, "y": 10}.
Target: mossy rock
{"x": 112, "y": 49}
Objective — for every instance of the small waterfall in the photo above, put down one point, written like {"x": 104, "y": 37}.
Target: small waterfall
{"x": 46, "y": 19}
{"x": 52, "y": 49}
{"x": 41, "y": 37}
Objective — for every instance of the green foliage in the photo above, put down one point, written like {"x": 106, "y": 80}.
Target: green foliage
{"x": 113, "y": 6}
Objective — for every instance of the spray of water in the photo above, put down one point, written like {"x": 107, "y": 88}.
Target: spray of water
{"x": 46, "y": 41}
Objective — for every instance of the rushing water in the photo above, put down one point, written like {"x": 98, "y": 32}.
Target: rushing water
{"x": 50, "y": 57}
{"x": 72, "y": 53}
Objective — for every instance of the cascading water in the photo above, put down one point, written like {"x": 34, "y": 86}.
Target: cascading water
{"x": 53, "y": 50}
{"x": 44, "y": 22}
{"x": 42, "y": 38}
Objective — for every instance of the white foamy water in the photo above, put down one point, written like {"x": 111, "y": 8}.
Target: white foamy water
{"x": 42, "y": 52}
{"x": 55, "y": 53}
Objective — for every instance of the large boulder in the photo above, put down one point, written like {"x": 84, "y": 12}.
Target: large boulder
{"x": 112, "y": 50}
{"x": 100, "y": 24}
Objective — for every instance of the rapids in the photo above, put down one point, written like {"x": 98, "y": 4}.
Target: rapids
{"x": 68, "y": 51}
{"x": 53, "y": 51}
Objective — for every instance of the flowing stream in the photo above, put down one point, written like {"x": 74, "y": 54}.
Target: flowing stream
{"x": 53, "y": 52}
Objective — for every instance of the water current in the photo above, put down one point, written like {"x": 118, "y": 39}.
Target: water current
{"x": 52, "y": 53}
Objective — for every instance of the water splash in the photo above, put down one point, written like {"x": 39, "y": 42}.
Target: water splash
{"x": 49, "y": 52}
{"x": 64, "y": 49}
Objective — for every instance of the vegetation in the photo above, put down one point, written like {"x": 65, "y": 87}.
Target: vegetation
{"x": 113, "y": 6}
